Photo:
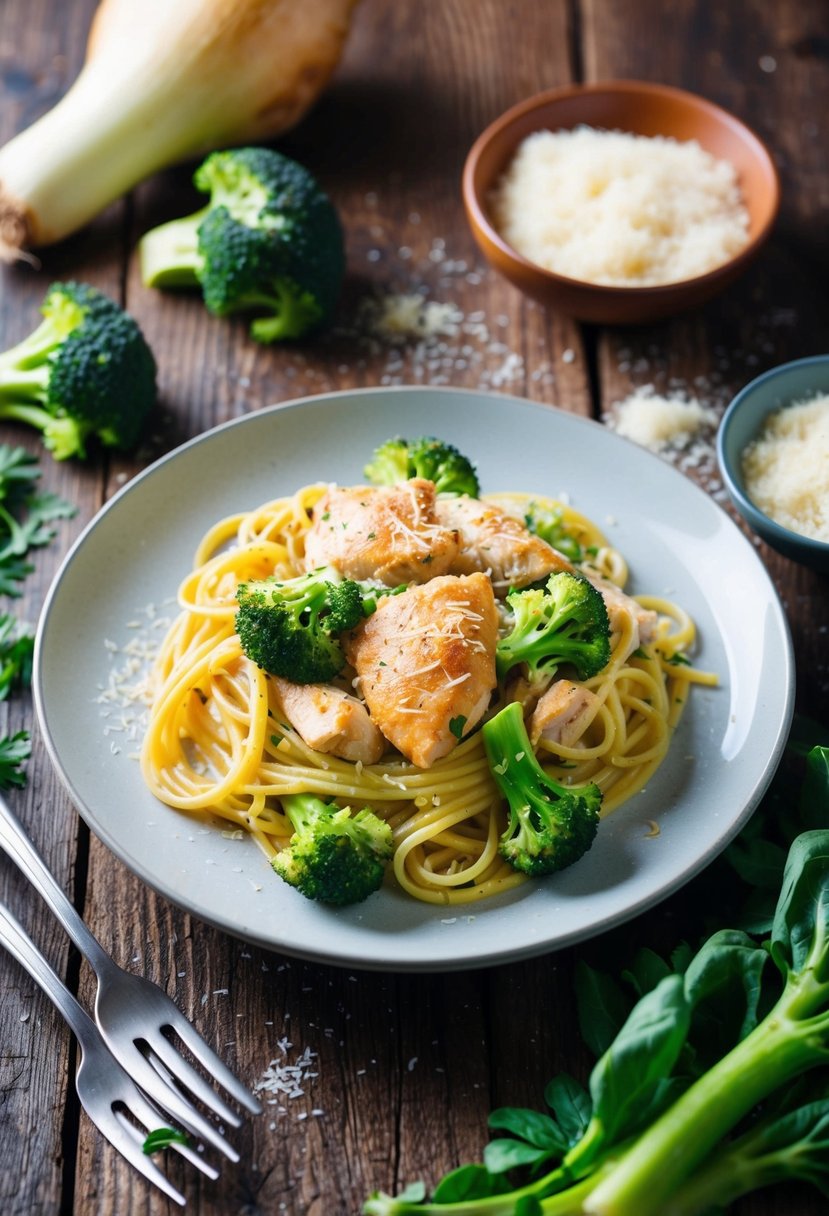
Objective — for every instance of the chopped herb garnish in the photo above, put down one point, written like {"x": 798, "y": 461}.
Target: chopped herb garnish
{"x": 679, "y": 660}
{"x": 163, "y": 1137}
{"x": 456, "y": 726}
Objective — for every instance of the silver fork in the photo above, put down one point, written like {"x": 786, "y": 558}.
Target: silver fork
{"x": 105, "y": 1090}
{"x": 132, "y": 1014}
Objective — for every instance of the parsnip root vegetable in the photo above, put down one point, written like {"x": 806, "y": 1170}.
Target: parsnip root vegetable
{"x": 164, "y": 81}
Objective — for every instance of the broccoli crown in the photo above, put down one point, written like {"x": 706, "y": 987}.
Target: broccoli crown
{"x": 548, "y": 524}
{"x": 85, "y": 371}
{"x": 399, "y": 459}
{"x": 269, "y": 242}
{"x": 564, "y": 622}
{"x": 550, "y": 825}
{"x": 333, "y": 857}
{"x": 290, "y": 628}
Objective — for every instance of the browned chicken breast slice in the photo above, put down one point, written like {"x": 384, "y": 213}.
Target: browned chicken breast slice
{"x": 330, "y": 720}
{"x": 563, "y": 714}
{"x": 626, "y": 616}
{"x": 491, "y": 540}
{"x": 426, "y": 661}
{"x": 388, "y": 533}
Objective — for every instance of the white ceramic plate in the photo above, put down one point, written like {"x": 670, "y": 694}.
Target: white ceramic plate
{"x": 677, "y": 541}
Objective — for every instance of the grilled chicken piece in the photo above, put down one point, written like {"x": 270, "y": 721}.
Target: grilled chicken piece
{"x": 330, "y": 720}
{"x": 426, "y": 660}
{"x": 563, "y": 713}
{"x": 626, "y": 614}
{"x": 388, "y": 533}
{"x": 491, "y": 540}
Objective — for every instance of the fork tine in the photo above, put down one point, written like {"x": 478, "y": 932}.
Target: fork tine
{"x": 215, "y": 1065}
{"x": 186, "y": 1075}
{"x": 147, "y": 1113}
{"x": 158, "y": 1081}
{"x": 122, "y": 1136}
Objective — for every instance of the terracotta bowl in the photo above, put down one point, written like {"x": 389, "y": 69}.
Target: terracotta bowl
{"x": 642, "y": 109}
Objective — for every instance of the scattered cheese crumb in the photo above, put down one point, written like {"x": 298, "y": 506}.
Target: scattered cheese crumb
{"x": 658, "y": 422}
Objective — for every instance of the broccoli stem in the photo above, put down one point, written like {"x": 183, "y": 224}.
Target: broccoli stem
{"x": 302, "y": 809}
{"x": 170, "y": 254}
{"x": 564, "y": 1203}
{"x": 28, "y": 384}
{"x": 787, "y": 1042}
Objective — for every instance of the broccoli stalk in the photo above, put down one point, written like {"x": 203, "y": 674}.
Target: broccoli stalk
{"x": 333, "y": 856}
{"x": 565, "y": 622}
{"x": 269, "y": 241}
{"x": 397, "y": 460}
{"x": 85, "y": 371}
{"x": 291, "y": 628}
{"x": 550, "y": 825}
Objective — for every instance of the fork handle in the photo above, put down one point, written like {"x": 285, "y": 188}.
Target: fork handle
{"x": 19, "y": 944}
{"x": 18, "y": 846}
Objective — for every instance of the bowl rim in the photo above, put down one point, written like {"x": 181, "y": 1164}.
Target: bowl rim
{"x": 759, "y": 520}
{"x": 623, "y": 85}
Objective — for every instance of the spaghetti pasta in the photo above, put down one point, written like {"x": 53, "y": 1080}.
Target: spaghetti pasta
{"x": 218, "y": 743}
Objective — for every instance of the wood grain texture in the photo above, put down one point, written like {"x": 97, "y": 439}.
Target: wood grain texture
{"x": 402, "y": 1069}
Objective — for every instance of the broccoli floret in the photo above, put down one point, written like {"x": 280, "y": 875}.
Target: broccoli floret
{"x": 333, "y": 856}
{"x": 399, "y": 459}
{"x": 564, "y": 622}
{"x": 85, "y": 371}
{"x": 548, "y": 524}
{"x": 550, "y": 825}
{"x": 290, "y": 628}
{"x": 269, "y": 241}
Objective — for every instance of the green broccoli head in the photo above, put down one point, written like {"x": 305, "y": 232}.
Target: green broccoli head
{"x": 333, "y": 856}
{"x": 290, "y": 628}
{"x": 564, "y": 622}
{"x": 550, "y": 825}
{"x": 399, "y": 459}
{"x": 269, "y": 242}
{"x": 86, "y": 371}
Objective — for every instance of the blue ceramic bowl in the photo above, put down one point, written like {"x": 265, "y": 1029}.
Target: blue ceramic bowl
{"x": 743, "y": 419}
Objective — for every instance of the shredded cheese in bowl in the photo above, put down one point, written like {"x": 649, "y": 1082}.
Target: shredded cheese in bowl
{"x": 786, "y": 468}
{"x": 617, "y": 209}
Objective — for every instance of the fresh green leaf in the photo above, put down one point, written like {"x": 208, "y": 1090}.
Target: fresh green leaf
{"x": 646, "y": 971}
{"x": 469, "y": 1182}
{"x": 163, "y": 1137}
{"x": 16, "y": 655}
{"x": 814, "y": 792}
{"x": 570, "y": 1103}
{"x": 503, "y": 1155}
{"x": 602, "y": 1007}
{"x": 642, "y": 1054}
{"x": 14, "y": 751}
{"x": 801, "y": 920}
{"x": 536, "y": 1128}
{"x": 723, "y": 986}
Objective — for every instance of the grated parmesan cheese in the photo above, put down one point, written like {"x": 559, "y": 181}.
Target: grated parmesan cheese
{"x": 618, "y": 209}
{"x": 786, "y": 469}
{"x": 657, "y": 422}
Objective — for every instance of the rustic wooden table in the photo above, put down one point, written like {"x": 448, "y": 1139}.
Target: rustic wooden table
{"x": 403, "y": 1068}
